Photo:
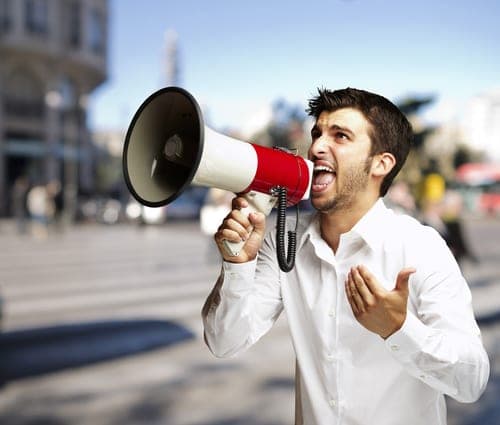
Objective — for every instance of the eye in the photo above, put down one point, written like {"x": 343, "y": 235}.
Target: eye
{"x": 315, "y": 133}
{"x": 341, "y": 136}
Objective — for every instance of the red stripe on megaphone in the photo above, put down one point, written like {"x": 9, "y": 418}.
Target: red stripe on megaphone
{"x": 278, "y": 168}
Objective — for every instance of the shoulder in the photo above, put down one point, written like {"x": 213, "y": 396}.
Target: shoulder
{"x": 406, "y": 234}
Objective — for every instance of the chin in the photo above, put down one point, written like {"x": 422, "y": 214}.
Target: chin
{"x": 324, "y": 206}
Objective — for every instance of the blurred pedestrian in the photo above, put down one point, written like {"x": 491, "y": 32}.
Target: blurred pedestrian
{"x": 454, "y": 235}
{"x": 432, "y": 190}
{"x": 41, "y": 208}
{"x": 19, "y": 203}
{"x": 55, "y": 195}
{"x": 400, "y": 199}
{"x": 433, "y": 184}
{"x": 379, "y": 313}
{"x": 441, "y": 208}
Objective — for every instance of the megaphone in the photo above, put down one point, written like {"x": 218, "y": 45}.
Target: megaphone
{"x": 167, "y": 148}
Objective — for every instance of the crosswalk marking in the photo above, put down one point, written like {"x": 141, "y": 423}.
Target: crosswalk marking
{"x": 101, "y": 273}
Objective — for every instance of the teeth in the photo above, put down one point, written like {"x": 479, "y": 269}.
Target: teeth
{"x": 319, "y": 168}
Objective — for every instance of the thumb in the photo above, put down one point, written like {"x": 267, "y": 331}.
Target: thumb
{"x": 257, "y": 231}
{"x": 403, "y": 278}
{"x": 258, "y": 222}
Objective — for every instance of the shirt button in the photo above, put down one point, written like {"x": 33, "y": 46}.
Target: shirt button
{"x": 332, "y": 403}
{"x": 331, "y": 313}
{"x": 331, "y": 357}
{"x": 395, "y": 347}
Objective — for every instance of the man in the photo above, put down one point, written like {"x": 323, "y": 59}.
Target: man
{"x": 379, "y": 313}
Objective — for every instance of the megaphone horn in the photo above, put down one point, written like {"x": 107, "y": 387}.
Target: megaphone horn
{"x": 168, "y": 147}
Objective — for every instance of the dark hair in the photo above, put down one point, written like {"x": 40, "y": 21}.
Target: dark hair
{"x": 390, "y": 130}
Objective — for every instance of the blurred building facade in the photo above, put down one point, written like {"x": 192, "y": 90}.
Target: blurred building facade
{"x": 53, "y": 55}
{"x": 481, "y": 122}
{"x": 172, "y": 62}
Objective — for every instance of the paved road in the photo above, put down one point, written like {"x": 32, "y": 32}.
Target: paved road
{"x": 102, "y": 326}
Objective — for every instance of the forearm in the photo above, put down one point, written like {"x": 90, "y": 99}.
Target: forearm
{"x": 239, "y": 310}
{"x": 455, "y": 363}
{"x": 440, "y": 342}
{"x": 226, "y": 327}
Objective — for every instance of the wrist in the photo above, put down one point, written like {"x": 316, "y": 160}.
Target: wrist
{"x": 394, "y": 329}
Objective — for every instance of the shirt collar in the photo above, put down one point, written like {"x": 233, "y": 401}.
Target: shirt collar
{"x": 370, "y": 227}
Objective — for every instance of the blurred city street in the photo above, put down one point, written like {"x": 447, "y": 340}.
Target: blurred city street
{"x": 101, "y": 325}
{"x": 100, "y": 296}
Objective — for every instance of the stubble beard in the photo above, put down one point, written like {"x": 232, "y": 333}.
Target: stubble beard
{"x": 355, "y": 180}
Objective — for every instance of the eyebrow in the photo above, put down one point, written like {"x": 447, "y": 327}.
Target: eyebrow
{"x": 340, "y": 128}
{"x": 334, "y": 127}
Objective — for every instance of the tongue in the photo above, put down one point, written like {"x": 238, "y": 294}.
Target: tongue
{"x": 323, "y": 178}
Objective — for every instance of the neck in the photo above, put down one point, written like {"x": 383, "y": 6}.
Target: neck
{"x": 335, "y": 223}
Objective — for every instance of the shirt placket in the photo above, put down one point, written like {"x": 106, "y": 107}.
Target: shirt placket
{"x": 330, "y": 277}
{"x": 341, "y": 265}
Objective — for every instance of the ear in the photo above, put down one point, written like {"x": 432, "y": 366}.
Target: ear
{"x": 382, "y": 164}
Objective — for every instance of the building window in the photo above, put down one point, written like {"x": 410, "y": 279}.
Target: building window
{"x": 23, "y": 96}
{"x": 96, "y": 31}
{"x": 36, "y": 16}
{"x": 72, "y": 15}
{"x": 5, "y": 19}
{"x": 67, "y": 89}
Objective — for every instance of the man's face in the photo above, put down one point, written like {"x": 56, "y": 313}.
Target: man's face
{"x": 340, "y": 151}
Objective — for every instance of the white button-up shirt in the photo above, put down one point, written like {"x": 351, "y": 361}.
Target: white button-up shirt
{"x": 347, "y": 374}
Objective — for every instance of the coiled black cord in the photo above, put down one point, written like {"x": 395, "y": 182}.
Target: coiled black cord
{"x": 286, "y": 263}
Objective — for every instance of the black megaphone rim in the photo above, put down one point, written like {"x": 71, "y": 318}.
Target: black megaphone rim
{"x": 199, "y": 153}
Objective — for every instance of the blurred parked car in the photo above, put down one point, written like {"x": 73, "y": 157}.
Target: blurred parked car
{"x": 480, "y": 182}
{"x": 489, "y": 199}
{"x": 186, "y": 207}
{"x": 100, "y": 210}
{"x": 478, "y": 173}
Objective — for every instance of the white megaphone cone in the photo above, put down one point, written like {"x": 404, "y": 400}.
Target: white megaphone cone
{"x": 168, "y": 147}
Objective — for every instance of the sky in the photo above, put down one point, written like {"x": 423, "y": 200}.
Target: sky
{"x": 237, "y": 57}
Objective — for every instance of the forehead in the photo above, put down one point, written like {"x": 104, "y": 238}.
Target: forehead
{"x": 348, "y": 118}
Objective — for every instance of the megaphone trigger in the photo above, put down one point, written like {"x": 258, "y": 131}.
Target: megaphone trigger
{"x": 257, "y": 202}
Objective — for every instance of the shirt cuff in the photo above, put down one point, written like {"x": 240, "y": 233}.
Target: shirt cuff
{"x": 238, "y": 276}
{"x": 409, "y": 339}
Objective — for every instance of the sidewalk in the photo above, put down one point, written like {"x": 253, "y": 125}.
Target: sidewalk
{"x": 180, "y": 384}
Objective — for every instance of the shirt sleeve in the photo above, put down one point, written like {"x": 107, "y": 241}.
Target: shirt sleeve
{"x": 243, "y": 306}
{"x": 440, "y": 342}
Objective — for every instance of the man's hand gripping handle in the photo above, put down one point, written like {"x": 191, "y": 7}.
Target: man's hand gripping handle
{"x": 257, "y": 202}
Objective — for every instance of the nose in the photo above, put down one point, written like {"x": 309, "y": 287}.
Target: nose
{"x": 318, "y": 148}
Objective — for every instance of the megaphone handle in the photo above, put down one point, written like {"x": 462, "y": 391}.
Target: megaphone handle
{"x": 257, "y": 202}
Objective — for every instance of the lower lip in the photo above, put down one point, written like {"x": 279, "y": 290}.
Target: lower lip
{"x": 319, "y": 188}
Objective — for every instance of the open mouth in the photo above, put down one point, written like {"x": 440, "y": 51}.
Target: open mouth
{"x": 323, "y": 176}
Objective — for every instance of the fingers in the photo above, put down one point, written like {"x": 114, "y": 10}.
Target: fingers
{"x": 353, "y": 296}
{"x": 251, "y": 221}
{"x": 358, "y": 292}
{"x": 363, "y": 290}
{"x": 236, "y": 227}
{"x": 241, "y": 225}
{"x": 378, "y": 309}
{"x": 238, "y": 203}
